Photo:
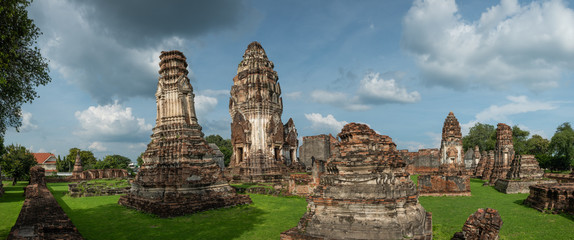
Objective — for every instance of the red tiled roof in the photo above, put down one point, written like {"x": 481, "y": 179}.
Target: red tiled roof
{"x": 42, "y": 157}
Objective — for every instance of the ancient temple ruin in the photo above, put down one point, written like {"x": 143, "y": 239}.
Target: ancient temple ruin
{"x": 364, "y": 193}
{"x": 178, "y": 175}
{"x": 78, "y": 167}
{"x": 451, "y": 178}
{"x": 263, "y": 147}
{"x": 316, "y": 148}
{"x": 524, "y": 172}
{"x": 503, "y": 153}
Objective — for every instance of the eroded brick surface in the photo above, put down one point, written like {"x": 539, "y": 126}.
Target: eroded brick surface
{"x": 503, "y": 153}
{"x": 555, "y": 198}
{"x": 178, "y": 175}
{"x": 263, "y": 147}
{"x": 41, "y": 216}
{"x": 484, "y": 224}
{"x": 365, "y": 172}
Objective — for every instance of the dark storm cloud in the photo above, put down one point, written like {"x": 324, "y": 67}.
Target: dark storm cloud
{"x": 143, "y": 23}
{"x": 110, "y": 49}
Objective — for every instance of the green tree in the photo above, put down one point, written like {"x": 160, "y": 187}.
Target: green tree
{"x": 114, "y": 161}
{"x": 537, "y": 145}
{"x": 224, "y": 146}
{"x": 140, "y": 159}
{"x": 483, "y": 135}
{"x": 87, "y": 157}
{"x": 16, "y": 162}
{"x": 519, "y": 138}
{"x": 22, "y": 67}
{"x": 562, "y": 147}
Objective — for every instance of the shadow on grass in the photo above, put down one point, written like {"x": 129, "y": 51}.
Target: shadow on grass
{"x": 103, "y": 218}
{"x": 13, "y": 193}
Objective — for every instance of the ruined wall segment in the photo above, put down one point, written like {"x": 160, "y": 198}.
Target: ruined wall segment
{"x": 263, "y": 146}
{"x": 365, "y": 172}
{"x": 178, "y": 175}
{"x": 503, "y": 153}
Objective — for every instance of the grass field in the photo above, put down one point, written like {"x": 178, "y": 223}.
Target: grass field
{"x": 520, "y": 222}
{"x": 267, "y": 217}
{"x": 10, "y": 205}
{"x": 103, "y": 218}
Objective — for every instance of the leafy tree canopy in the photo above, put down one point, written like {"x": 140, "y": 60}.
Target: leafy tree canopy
{"x": 114, "y": 161}
{"x": 519, "y": 138}
{"x": 87, "y": 157}
{"x": 562, "y": 147}
{"x": 140, "y": 159}
{"x": 22, "y": 67}
{"x": 483, "y": 135}
{"x": 224, "y": 146}
{"x": 16, "y": 162}
{"x": 537, "y": 145}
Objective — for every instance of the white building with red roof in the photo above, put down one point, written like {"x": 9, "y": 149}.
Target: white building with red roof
{"x": 47, "y": 161}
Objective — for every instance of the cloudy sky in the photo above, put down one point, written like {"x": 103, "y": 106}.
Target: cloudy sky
{"x": 399, "y": 66}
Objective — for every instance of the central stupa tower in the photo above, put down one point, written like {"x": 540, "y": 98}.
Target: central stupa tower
{"x": 178, "y": 175}
{"x": 263, "y": 147}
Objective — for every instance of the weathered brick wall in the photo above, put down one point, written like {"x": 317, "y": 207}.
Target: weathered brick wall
{"x": 483, "y": 224}
{"x": 561, "y": 178}
{"x": 438, "y": 185}
{"x": 518, "y": 186}
{"x": 84, "y": 189}
{"x": 558, "y": 197}
{"x": 41, "y": 216}
{"x": 425, "y": 161}
{"x": 301, "y": 184}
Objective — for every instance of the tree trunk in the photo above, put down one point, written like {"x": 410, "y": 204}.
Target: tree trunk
{"x": 14, "y": 182}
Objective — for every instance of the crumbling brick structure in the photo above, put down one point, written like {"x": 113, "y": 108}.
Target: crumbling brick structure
{"x": 503, "y": 153}
{"x": 452, "y": 178}
{"x": 365, "y": 172}
{"x": 263, "y": 147}
{"x": 484, "y": 224}
{"x": 424, "y": 161}
{"x": 41, "y": 216}
{"x": 488, "y": 160}
{"x": 524, "y": 172}
{"x": 78, "y": 167}
{"x": 471, "y": 160}
{"x": 553, "y": 197}
{"x": 178, "y": 175}
{"x": 317, "y": 147}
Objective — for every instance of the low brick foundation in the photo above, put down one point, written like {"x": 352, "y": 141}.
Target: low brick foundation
{"x": 85, "y": 189}
{"x": 438, "y": 185}
{"x": 518, "y": 186}
{"x": 41, "y": 217}
{"x": 555, "y": 198}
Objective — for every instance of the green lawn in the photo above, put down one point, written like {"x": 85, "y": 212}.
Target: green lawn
{"x": 103, "y": 218}
{"x": 10, "y": 205}
{"x": 267, "y": 217}
{"x": 520, "y": 222}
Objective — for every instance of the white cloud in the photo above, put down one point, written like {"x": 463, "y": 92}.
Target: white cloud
{"x": 293, "y": 95}
{"x": 517, "y": 105}
{"x": 97, "y": 146}
{"x": 111, "y": 122}
{"x": 374, "y": 89}
{"x": 510, "y": 44}
{"x": 215, "y": 93}
{"x": 27, "y": 122}
{"x": 204, "y": 105}
{"x": 327, "y": 123}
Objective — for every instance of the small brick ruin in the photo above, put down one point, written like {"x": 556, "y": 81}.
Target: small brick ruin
{"x": 85, "y": 189}
{"x": 263, "y": 147}
{"x": 451, "y": 178}
{"x": 317, "y": 147}
{"x": 424, "y": 161}
{"x": 524, "y": 172}
{"x": 178, "y": 175}
{"x": 365, "y": 172}
{"x": 41, "y": 216}
{"x": 484, "y": 224}
{"x": 554, "y": 197}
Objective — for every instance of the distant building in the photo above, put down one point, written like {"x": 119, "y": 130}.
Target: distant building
{"x": 46, "y": 161}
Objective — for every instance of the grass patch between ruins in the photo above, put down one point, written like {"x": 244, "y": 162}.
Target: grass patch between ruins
{"x": 102, "y": 218}
{"x": 10, "y": 205}
{"x": 520, "y": 221}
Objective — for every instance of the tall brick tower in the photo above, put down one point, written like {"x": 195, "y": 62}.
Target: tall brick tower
{"x": 451, "y": 152}
{"x": 178, "y": 175}
{"x": 262, "y": 146}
